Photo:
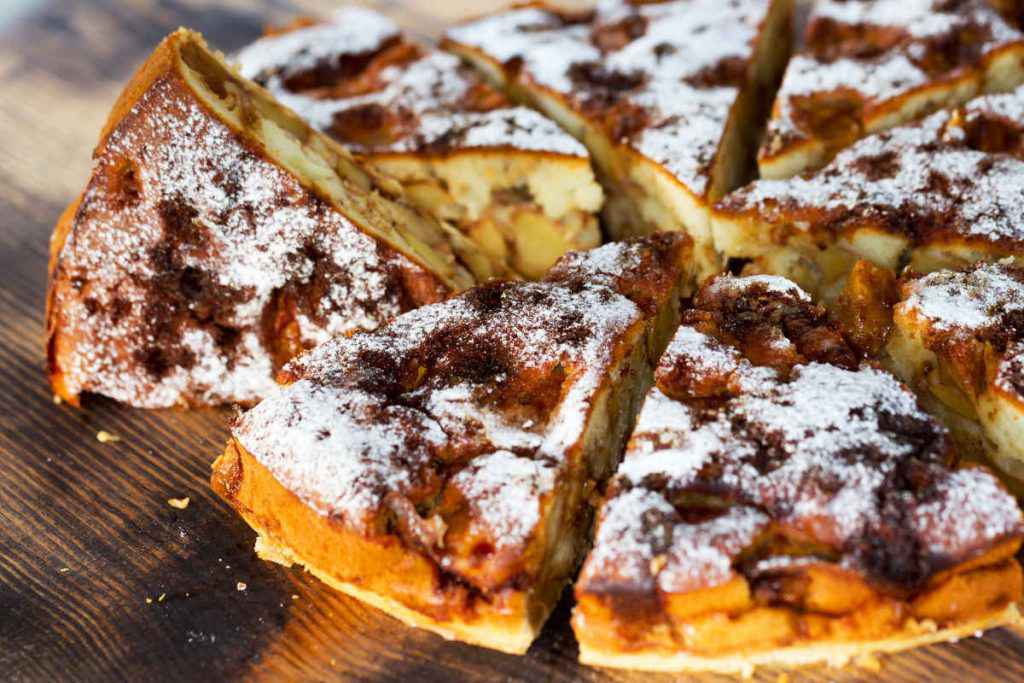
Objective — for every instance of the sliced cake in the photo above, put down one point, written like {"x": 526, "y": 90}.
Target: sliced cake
{"x": 218, "y": 236}
{"x": 667, "y": 96}
{"x": 440, "y": 467}
{"x": 781, "y": 504}
{"x": 509, "y": 178}
{"x": 957, "y": 340}
{"x": 868, "y": 65}
{"x": 945, "y": 192}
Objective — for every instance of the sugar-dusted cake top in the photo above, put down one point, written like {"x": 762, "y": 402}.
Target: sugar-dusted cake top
{"x": 953, "y": 175}
{"x": 733, "y": 452}
{"x": 862, "y": 58}
{"x": 660, "y": 76}
{"x": 185, "y": 247}
{"x": 480, "y": 400}
{"x": 357, "y": 78}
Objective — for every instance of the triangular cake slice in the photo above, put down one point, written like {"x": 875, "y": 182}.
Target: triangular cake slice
{"x": 218, "y": 236}
{"x": 780, "y": 504}
{"x": 944, "y": 192}
{"x": 513, "y": 181}
{"x": 440, "y": 467}
{"x": 868, "y": 65}
{"x": 667, "y": 96}
{"x": 958, "y": 340}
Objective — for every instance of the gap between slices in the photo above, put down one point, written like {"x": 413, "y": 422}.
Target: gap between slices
{"x": 440, "y": 468}
{"x": 520, "y": 188}
{"x": 668, "y": 97}
{"x": 782, "y": 503}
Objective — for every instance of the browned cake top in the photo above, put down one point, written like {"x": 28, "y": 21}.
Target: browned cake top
{"x": 736, "y": 464}
{"x": 357, "y": 78}
{"x": 984, "y": 303}
{"x": 862, "y": 55}
{"x": 660, "y": 76}
{"x": 954, "y": 175}
{"x": 466, "y": 410}
{"x": 185, "y": 243}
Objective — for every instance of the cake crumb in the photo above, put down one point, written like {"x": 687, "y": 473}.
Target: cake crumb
{"x": 57, "y": 400}
{"x": 241, "y": 586}
{"x": 149, "y": 601}
{"x": 64, "y": 570}
{"x": 161, "y": 598}
{"x": 106, "y": 437}
{"x": 869, "y": 662}
{"x": 295, "y": 596}
{"x": 178, "y": 503}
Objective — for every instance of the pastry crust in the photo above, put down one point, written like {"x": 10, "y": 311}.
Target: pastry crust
{"x": 510, "y": 179}
{"x": 868, "y": 66}
{"x": 941, "y": 193}
{"x": 441, "y": 466}
{"x": 782, "y": 503}
{"x": 218, "y": 236}
{"x": 667, "y": 96}
{"x": 956, "y": 341}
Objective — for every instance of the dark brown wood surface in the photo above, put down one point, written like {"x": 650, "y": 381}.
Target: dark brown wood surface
{"x": 100, "y": 578}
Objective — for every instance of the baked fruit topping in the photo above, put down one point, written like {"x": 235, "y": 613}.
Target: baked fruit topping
{"x": 667, "y": 96}
{"x": 868, "y": 65}
{"x": 219, "y": 236}
{"x": 510, "y": 179}
{"x": 958, "y": 339}
{"x": 440, "y": 467}
{"x": 944, "y": 192}
{"x": 780, "y": 503}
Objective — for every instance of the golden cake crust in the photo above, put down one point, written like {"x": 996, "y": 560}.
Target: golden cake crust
{"x": 464, "y": 437}
{"x": 781, "y": 503}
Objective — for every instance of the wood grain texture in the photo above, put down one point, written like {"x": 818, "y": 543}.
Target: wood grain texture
{"x": 100, "y": 579}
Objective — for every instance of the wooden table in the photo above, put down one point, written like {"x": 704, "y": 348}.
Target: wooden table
{"x": 100, "y": 578}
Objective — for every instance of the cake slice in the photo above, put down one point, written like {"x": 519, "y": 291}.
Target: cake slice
{"x": 957, "y": 340}
{"x": 510, "y": 179}
{"x": 944, "y": 192}
{"x": 668, "y": 97}
{"x": 780, "y": 504}
{"x": 868, "y": 65}
{"x": 218, "y": 236}
{"x": 440, "y": 467}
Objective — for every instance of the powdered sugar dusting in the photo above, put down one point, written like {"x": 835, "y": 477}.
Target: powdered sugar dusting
{"x": 971, "y": 302}
{"x": 896, "y": 69}
{"x": 430, "y": 94}
{"x": 923, "y": 181}
{"x": 183, "y": 240}
{"x": 681, "y": 43}
{"x": 497, "y": 382}
{"x": 839, "y": 456}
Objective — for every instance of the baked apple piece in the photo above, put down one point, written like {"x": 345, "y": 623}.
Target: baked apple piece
{"x": 440, "y": 467}
{"x": 868, "y": 65}
{"x": 781, "y": 503}
{"x": 667, "y": 96}
{"x": 944, "y": 192}
{"x": 958, "y": 340}
{"x": 509, "y": 178}
{"x": 218, "y": 236}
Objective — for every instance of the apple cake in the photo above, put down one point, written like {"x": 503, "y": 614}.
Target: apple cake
{"x": 515, "y": 183}
{"x": 440, "y": 467}
{"x": 868, "y": 65}
{"x": 218, "y": 236}
{"x": 781, "y": 503}
{"x": 957, "y": 340}
{"x": 943, "y": 192}
{"x": 668, "y": 97}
